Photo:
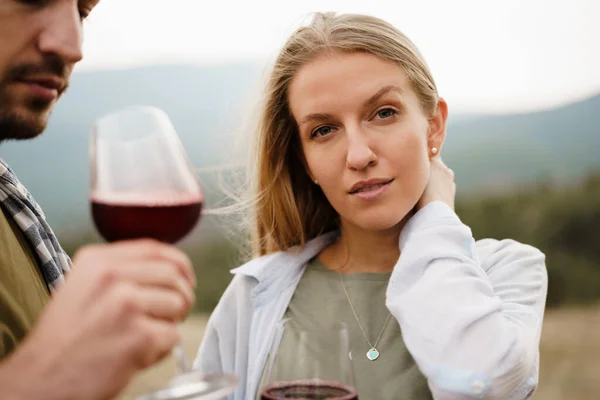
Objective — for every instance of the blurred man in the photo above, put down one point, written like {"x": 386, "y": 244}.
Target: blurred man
{"x": 117, "y": 310}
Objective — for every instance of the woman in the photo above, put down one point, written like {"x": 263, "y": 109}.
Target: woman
{"x": 354, "y": 221}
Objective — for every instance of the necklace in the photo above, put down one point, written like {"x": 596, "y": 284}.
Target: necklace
{"x": 373, "y": 353}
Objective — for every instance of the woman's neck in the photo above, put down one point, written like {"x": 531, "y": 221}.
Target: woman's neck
{"x": 359, "y": 250}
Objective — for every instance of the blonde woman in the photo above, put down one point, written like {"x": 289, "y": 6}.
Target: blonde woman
{"x": 353, "y": 220}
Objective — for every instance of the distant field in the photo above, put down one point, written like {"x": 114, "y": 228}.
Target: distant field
{"x": 570, "y": 356}
{"x": 570, "y": 359}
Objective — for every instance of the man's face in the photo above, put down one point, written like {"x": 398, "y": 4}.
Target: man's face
{"x": 40, "y": 43}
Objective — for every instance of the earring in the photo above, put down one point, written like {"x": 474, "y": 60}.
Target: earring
{"x": 316, "y": 182}
{"x": 434, "y": 150}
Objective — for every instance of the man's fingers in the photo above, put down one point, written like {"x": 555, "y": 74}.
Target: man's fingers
{"x": 143, "y": 249}
{"x": 159, "y": 274}
{"x": 154, "y": 339}
{"x": 163, "y": 304}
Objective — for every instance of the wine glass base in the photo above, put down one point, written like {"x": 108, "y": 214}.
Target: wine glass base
{"x": 194, "y": 385}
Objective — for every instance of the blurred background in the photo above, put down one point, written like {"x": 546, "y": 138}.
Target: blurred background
{"x": 522, "y": 79}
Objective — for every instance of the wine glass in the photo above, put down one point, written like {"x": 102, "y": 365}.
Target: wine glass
{"x": 142, "y": 185}
{"x": 309, "y": 362}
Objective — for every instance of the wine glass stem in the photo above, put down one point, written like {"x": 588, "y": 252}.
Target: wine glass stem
{"x": 180, "y": 358}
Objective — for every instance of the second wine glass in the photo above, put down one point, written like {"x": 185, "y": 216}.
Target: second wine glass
{"x": 309, "y": 363}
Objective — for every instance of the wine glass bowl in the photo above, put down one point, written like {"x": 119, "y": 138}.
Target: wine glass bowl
{"x": 142, "y": 184}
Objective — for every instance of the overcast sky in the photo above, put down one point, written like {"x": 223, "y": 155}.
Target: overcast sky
{"x": 486, "y": 55}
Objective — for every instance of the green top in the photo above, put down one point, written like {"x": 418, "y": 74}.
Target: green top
{"x": 23, "y": 292}
{"x": 319, "y": 300}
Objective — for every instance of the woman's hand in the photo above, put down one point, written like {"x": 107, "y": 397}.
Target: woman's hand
{"x": 441, "y": 185}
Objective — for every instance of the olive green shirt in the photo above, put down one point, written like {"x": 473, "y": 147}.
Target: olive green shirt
{"x": 23, "y": 292}
{"x": 319, "y": 300}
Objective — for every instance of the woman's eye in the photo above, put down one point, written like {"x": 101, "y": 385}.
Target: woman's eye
{"x": 83, "y": 13}
{"x": 34, "y": 2}
{"x": 321, "y": 131}
{"x": 386, "y": 113}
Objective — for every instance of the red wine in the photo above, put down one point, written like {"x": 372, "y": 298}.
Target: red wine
{"x": 309, "y": 390}
{"x": 168, "y": 222}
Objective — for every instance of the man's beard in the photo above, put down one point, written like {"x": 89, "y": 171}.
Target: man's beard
{"x": 15, "y": 126}
{"x": 29, "y": 119}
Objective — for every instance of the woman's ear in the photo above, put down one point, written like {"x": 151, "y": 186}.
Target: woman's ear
{"x": 437, "y": 127}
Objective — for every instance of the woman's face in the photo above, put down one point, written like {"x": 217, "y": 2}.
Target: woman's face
{"x": 365, "y": 137}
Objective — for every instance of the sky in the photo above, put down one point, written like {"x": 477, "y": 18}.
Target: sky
{"x": 485, "y": 55}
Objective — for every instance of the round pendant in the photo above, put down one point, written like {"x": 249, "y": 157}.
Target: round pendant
{"x": 373, "y": 354}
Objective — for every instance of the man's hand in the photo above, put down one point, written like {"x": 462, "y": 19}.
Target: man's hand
{"x": 116, "y": 314}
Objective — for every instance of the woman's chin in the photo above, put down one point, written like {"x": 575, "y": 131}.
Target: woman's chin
{"x": 381, "y": 222}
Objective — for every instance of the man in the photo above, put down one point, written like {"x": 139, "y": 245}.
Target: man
{"x": 83, "y": 337}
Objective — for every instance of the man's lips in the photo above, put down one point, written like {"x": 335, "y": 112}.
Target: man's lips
{"x": 47, "y": 88}
{"x": 48, "y": 82}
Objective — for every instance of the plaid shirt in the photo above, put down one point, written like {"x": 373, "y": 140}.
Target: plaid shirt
{"x": 17, "y": 203}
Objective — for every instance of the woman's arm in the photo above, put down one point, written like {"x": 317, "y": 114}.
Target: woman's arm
{"x": 472, "y": 323}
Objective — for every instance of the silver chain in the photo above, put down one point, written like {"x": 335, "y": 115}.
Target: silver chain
{"x": 358, "y": 321}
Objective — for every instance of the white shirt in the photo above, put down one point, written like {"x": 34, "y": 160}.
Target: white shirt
{"x": 470, "y": 312}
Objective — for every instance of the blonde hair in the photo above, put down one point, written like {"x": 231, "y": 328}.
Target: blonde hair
{"x": 287, "y": 208}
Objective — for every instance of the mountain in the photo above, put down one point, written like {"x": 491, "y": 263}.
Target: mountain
{"x": 208, "y": 106}
{"x": 493, "y": 151}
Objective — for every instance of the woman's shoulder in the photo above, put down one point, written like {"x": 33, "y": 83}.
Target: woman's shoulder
{"x": 255, "y": 266}
{"x": 248, "y": 276}
{"x": 263, "y": 277}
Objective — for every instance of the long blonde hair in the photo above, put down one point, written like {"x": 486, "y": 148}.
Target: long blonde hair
{"x": 287, "y": 209}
